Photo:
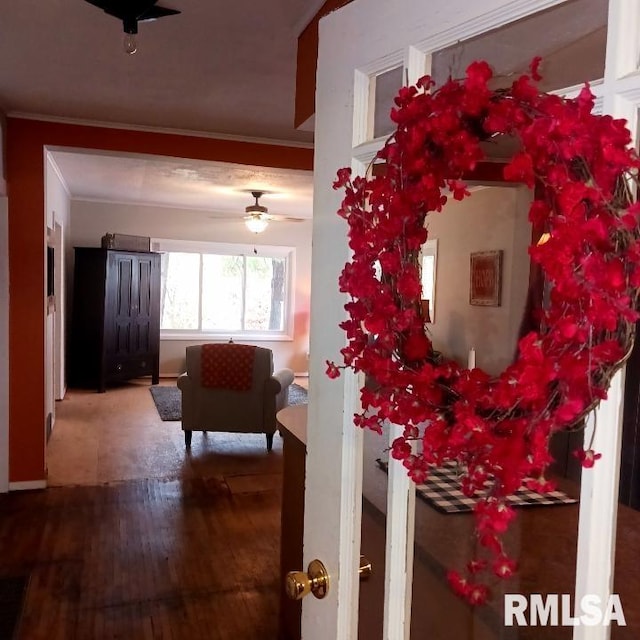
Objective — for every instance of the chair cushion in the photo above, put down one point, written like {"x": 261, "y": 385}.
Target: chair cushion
{"x": 227, "y": 366}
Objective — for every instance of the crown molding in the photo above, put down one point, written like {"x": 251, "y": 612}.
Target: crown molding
{"x": 169, "y": 131}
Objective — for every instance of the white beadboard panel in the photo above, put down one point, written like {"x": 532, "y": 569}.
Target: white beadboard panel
{"x": 401, "y": 512}
{"x": 599, "y": 506}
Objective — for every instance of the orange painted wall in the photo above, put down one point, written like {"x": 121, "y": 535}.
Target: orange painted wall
{"x": 25, "y": 142}
{"x": 307, "y": 61}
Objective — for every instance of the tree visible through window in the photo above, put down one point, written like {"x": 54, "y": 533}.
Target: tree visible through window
{"x": 218, "y": 293}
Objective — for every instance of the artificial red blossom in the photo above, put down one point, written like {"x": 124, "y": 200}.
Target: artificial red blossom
{"x": 496, "y": 429}
{"x": 332, "y": 370}
{"x": 535, "y": 64}
{"x": 587, "y": 458}
{"x": 477, "y": 594}
{"x": 504, "y": 567}
{"x": 459, "y": 583}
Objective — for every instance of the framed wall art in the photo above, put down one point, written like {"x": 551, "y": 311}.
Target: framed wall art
{"x": 485, "y": 283}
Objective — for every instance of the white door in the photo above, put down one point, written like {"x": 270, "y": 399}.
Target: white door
{"x": 358, "y": 42}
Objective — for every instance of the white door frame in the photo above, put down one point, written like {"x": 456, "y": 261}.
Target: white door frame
{"x": 358, "y": 39}
{"x": 59, "y": 383}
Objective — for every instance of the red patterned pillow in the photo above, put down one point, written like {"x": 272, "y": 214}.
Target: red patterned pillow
{"x": 227, "y": 366}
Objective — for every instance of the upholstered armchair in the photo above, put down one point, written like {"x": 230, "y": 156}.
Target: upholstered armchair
{"x": 232, "y": 388}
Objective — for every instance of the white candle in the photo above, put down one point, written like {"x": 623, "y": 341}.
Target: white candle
{"x": 472, "y": 359}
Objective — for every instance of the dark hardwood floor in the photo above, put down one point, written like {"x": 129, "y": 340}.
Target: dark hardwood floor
{"x": 136, "y": 539}
{"x": 191, "y": 555}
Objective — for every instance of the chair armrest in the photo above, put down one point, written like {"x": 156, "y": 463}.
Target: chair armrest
{"x": 278, "y": 385}
{"x": 184, "y": 382}
{"x": 284, "y": 377}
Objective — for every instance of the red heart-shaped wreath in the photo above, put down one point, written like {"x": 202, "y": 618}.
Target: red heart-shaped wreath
{"x": 495, "y": 428}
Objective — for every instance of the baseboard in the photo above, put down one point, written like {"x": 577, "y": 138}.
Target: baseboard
{"x": 29, "y": 485}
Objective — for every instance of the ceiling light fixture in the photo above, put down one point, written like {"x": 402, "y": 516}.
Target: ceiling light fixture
{"x": 257, "y": 218}
{"x": 130, "y": 36}
{"x": 256, "y": 223}
{"x": 131, "y": 13}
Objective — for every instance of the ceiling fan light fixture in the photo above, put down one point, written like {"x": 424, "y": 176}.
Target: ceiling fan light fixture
{"x": 257, "y": 218}
{"x": 256, "y": 208}
{"x": 256, "y": 223}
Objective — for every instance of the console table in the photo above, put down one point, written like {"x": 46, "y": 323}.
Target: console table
{"x": 292, "y": 423}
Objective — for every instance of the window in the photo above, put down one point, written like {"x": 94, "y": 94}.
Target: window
{"x": 220, "y": 290}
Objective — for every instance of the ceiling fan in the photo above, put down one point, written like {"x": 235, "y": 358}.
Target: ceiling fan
{"x": 258, "y": 216}
{"x": 131, "y": 12}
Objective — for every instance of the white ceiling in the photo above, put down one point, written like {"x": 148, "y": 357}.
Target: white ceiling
{"x": 217, "y": 68}
{"x": 217, "y": 187}
{"x": 221, "y": 67}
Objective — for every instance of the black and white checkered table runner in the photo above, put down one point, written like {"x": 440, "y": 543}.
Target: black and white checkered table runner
{"x": 442, "y": 492}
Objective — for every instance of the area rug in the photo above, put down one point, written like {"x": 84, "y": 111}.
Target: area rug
{"x": 168, "y": 400}
{"x": 297, "y": 394}
{"x": 12, "y": 593}
{"x": 442, "y": 492}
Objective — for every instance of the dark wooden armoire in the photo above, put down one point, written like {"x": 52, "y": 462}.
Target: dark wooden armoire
{"x": 115, "y": 328}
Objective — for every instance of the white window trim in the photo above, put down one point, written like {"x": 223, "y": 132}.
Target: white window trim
{"x": 165, "y": 245}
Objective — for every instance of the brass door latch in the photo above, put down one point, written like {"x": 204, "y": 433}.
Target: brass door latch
{"x": 299, "y": 584}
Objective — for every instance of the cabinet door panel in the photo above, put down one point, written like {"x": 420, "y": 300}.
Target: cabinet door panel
{"x": 146, "y": 315}
{"x": 122, "y": 339}
{"x": 120, "y": 303}
{"x": 144, "y": 287}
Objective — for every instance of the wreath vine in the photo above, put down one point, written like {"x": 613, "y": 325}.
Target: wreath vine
{"x": 496, "y": 428}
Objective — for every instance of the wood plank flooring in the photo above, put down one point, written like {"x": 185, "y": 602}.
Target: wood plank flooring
{"x": 185, "y": 556}
{"x": 136, "y": 539}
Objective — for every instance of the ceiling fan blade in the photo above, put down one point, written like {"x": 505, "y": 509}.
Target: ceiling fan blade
{"x": 279, "y": 218}
{"x": 118, "y": 8}
{"x": 97, "y": 3}
{"x": 153, "y": 13}
{"x": 114, "y": 9}
{"x": 139, "y": 10}
{"x": 226, "y": 216}
{"x": 267, "y": 217}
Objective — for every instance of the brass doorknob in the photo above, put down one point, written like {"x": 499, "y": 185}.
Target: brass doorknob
{"x": 299, "y": 584}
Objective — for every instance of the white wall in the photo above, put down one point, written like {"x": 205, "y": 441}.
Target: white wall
{"x": 490, "y": 219}
{"x": 91, "y": 220}
{"x": 57, "y": 210}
